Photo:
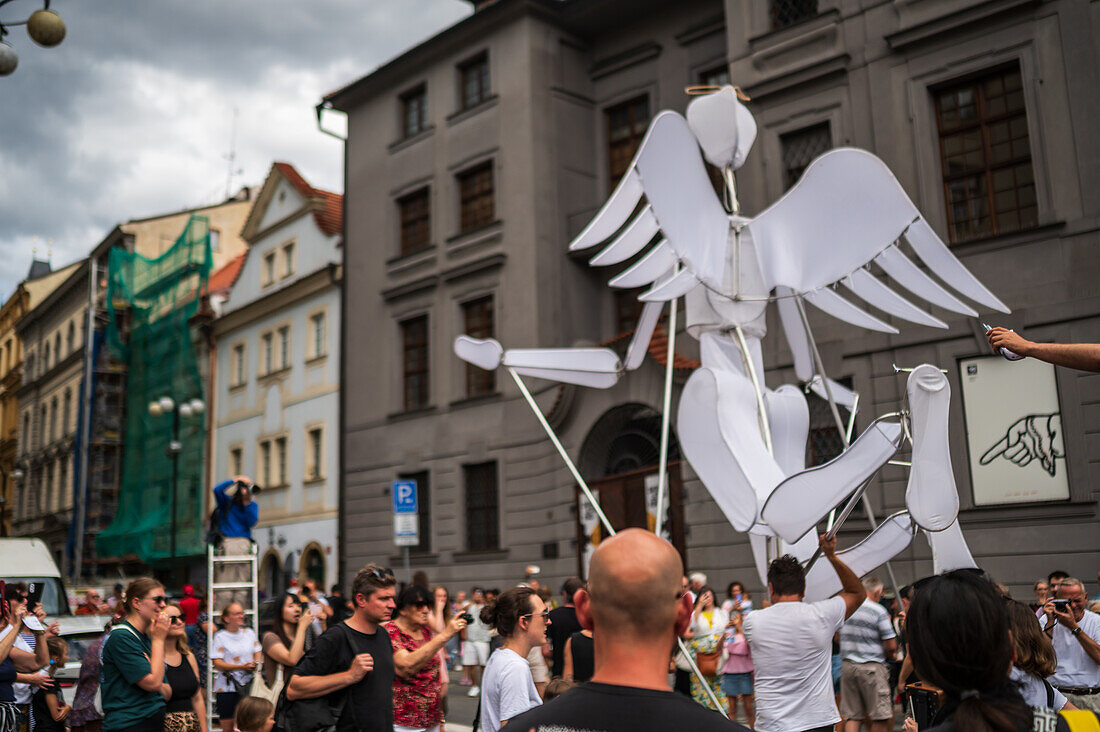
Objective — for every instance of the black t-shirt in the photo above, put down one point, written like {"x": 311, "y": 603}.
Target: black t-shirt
{"x": 43, "y": 720}
{"x": 596, "y": 707}
{"x": 563, "y": 623}
{"x": 369, "y": 707}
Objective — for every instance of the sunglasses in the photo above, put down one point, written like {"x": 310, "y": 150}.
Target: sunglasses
{"x": 175, "y": 619}
{"x": 159, "y": 599}
{"x": 383, "y": 573}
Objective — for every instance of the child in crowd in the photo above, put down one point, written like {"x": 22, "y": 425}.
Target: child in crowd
{"x": 556, "y": 687}
{"x": 48, "y": 709}
{"x": 254, "y": 714}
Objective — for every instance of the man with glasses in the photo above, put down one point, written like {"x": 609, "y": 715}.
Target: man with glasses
{"x": 352, "y": 663}
{"x": 635, "y": 607}
{"x": 1074, "y": 633}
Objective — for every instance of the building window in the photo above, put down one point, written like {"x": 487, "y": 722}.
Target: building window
{"x": 475, "y": 81}
{"x": 788, "y": 12}
{"x": 476, "y": 197}
{"x": 215, "y": 239}
{"x": 26, "y": 436}
{"x": 70, "y": 338}
{"x": 802, "y": 147}
{"x": 267, "y": 275}
{"x": 988, "y": 180}
{"x": 236, "y": 461}
{"x": 414, "y": 111}
{"x": 317, "y": 333}
{"x": 238, "y": 366}
{"x": 414, "y": 338}
{"x": 626, "y": 126}
{"x": 51, "y": 495}
{"x": 265, "y": 464}
{"x": 62, "y": 480}
{"x": 478, "y": 323}
{"x": 43, "y": 423}
{"x": 268, "y": 346}
{"x": 284, "y": 347}
{"x": 46, "y": 357}
{"x": 482, "y": 506}
{"x": 718, "y": 76}
{"x": 825, "y": 441}
{"x": 315, "y": 457}
{"x": 280, "y": 461}
{"x": 57, "y": 347}
{"x": 53, "y": 419}
{"x": 423, "y": 509}
{"x": 415, "y": 213}
{"x": 66, "y": 412}
{"x": 288, "y": 259}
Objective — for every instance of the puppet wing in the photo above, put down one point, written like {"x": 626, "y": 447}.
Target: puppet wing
{"x": 847, "y": 211}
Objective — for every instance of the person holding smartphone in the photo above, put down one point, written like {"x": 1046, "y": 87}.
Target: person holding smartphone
{"x": 15, "y": 657}
{"x": 28, "y": 650}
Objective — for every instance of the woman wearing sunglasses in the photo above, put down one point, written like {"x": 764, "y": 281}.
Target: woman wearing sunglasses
{"x": 236, "y": 652}
{"x": 507, "y": 689}
{"x": 133, "y": 662}
{"x": 185, "y": 711}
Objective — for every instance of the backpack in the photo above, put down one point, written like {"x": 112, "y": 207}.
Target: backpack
{"x": 320, "y": 714}
{"x": 214, "y": 536}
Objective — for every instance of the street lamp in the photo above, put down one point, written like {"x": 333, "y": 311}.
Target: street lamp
{"x": 45, "y": 28}
{"x": 160, "y": 406}
{"x": 16, "y": 475}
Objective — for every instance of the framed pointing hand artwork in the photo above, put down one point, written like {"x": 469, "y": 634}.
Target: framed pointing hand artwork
{"x": 1014, "y": 440}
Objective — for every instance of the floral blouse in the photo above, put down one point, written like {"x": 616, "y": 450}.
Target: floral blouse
{"x": 417, "y": 702}
{"x": 87, "y": 686}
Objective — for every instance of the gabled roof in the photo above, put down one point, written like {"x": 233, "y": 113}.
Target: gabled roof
{"x": 224, "y": 278}
{"x": 328, "y": 207}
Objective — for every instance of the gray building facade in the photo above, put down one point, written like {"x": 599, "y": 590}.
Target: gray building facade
{"x": 473, "y": 158}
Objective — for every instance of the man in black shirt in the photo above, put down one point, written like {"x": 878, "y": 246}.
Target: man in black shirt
{"x": 563, "y": 623}
{"x": 635, "y": 610}
{"x": 353, "y": 660}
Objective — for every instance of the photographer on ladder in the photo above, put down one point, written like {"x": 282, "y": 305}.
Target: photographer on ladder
{"x": 236, "y": 514}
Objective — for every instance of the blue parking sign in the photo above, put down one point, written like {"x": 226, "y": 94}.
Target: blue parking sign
{"x": 404, "y": 496}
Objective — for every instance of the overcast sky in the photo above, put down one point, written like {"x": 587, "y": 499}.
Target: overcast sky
{"x": 132, "y": 115}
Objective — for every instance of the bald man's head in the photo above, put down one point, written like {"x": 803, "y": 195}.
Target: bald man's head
{"x": 634, "y": 582}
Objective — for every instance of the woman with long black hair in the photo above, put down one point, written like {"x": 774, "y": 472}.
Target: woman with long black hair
{"x": 960, "y": 641}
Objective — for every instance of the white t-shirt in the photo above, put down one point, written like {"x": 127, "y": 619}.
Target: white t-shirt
{"x": 507, "y": 689}
{"x": 1034, "y": 691}
{"x": 791, "y": 644}
{"x": 476, "y": 630}
{"x": 1075, "y": 667}
{"x": 22, "y": 691}
{"x": 235, "y": 648}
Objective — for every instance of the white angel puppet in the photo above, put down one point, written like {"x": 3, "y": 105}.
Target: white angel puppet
{"x": 747, "y": 442}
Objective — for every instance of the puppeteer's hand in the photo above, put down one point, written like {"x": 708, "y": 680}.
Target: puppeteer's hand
{"x": 827, "y": 544}
{"x": 1004, "y": 338}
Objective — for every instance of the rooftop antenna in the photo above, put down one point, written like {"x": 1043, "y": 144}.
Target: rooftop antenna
{"x": 231, "y": 158}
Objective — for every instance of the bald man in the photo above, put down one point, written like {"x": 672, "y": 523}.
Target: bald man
{"x": 635, "y": 608}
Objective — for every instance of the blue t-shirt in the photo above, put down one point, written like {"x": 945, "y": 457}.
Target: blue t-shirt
{"x": 235, "y": 520}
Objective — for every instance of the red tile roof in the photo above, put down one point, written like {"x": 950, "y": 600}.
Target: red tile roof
{"x": 330, "y": 218}
{"x": 658, "y": 349}
{"x": 224, "y": 278}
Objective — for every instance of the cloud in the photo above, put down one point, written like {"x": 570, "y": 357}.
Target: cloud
{"x": 133, "y": 114}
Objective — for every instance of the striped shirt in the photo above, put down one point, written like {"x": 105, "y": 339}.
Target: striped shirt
{"x": 862, "y": 635}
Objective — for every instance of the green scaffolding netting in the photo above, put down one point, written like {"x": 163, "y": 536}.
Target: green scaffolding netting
{"x": 150, "y": 303}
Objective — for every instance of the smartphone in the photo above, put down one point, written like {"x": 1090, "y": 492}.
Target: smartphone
{"x": 1008, "y": 355}
{"x": 34, "y": 594}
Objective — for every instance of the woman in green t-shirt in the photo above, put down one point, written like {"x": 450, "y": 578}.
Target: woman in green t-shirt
{"x": 133, "y": 689}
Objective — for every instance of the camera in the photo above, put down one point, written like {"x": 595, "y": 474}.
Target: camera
{"x": 1061, "y": 606}
{"x": 234, "y": 490}
{"x": 467, "y": 617}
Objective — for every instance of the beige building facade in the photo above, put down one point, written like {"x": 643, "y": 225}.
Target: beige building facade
{"x": 473, "y": 159}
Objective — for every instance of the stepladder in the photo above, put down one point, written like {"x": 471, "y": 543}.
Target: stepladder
{"x": 232, "y": 575}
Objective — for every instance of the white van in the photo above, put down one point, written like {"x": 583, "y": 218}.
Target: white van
{"x": 29, "y": 560}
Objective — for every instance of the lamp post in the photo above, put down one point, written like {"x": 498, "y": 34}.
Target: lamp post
{"x": 44, "y": 26}
{"x": 15, "y": 475}
{"x": 157, "y": 407}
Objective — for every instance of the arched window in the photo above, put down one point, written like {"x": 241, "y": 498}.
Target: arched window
{"x": 71, "y": 337}
{"x": 46, "y": 356}
{"x": 53, "y": 419}
{"x": 66, "y": 412}
{"x": 313, "y": 565}
{"x": 57, "y": 346}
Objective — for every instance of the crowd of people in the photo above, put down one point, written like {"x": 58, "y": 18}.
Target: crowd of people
{"x": 598, "y": 657}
